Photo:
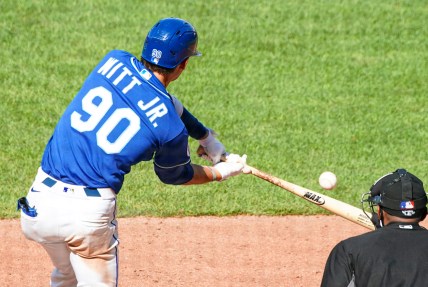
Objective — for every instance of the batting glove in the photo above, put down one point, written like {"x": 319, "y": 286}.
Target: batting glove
{"x": 212, "y": 147}
{"x": 233, "y": 166}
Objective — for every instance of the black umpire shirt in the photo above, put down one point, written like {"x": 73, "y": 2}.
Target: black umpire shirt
{"x": 395, "y": 255}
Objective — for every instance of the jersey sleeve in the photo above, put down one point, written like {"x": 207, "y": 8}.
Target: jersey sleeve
{"x": 338, "y": 270}
{"x": 172, "y": 161}
{"x": 195, "y": 128}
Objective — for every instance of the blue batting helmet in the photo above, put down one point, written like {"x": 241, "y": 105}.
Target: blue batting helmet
{"x": 170, "y": 42}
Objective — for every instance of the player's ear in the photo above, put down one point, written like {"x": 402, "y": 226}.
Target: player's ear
{"x": 380, "y": 217}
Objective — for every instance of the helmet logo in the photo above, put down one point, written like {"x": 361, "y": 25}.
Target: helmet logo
{"x": 156, "y": 55}
{"x": 408, "y": 212}
{"x": 407, "y": 205}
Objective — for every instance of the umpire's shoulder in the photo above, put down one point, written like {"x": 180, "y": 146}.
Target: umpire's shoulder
{"x": 362, "y": 240}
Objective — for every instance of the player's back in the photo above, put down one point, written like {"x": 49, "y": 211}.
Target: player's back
{"x": 122, "y": 115}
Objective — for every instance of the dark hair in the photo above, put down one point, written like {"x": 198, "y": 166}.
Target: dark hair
{"x": 156, "y": 68}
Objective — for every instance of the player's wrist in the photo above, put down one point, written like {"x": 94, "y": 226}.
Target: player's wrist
{"x": 215, "y": 174}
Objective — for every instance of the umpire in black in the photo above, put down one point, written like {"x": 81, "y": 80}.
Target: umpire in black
{"x": 396, "y": 253}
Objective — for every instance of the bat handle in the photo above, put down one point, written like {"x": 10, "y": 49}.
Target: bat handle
{"x": 254, "y": 170}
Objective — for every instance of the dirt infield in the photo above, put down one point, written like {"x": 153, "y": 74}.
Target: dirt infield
{"x": 198, "y": 251}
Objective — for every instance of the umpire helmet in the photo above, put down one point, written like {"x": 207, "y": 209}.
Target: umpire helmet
{"x": 170, "y": 42}
{"x": 399, "y": 193}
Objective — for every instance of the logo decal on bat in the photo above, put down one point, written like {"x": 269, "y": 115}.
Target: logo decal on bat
{"x": 317, "y": 199}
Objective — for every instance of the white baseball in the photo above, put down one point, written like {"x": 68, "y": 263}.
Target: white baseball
{"x": 327, "y": 180}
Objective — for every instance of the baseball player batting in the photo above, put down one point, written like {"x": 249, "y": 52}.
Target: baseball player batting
{"x": 121, "y": 116}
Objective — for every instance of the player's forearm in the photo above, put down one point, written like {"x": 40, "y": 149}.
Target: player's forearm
{"x": 194, "y": 127}
{"x": 233, "y": 165}
{"x": 204, "y": 174}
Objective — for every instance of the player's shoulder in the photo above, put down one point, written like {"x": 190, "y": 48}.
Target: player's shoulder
{"x": 115, "y": 58}
{"x": 118, "y": 54}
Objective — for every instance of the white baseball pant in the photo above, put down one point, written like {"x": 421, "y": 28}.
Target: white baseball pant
{"x": 77, "y": 228}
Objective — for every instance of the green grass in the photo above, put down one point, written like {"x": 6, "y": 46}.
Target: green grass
{"x": 299, "y": 86}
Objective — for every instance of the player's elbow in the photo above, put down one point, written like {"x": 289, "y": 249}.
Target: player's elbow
{"x": 174, "y": 175}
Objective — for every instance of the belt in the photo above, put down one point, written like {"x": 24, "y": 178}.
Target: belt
{"x": 93, "y": 192}
{"x": 71, "y": 190}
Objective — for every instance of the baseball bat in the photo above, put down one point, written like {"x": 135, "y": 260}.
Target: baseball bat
{"x": 335, "y": 206}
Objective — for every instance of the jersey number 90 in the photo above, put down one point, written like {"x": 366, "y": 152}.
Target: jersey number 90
{"x": 98, "y": 112}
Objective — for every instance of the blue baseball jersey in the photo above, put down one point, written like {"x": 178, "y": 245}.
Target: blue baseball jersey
{"x": 121, "y": 116}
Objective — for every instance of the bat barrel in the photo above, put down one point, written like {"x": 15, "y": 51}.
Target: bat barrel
{"x": 335, "y": 206}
